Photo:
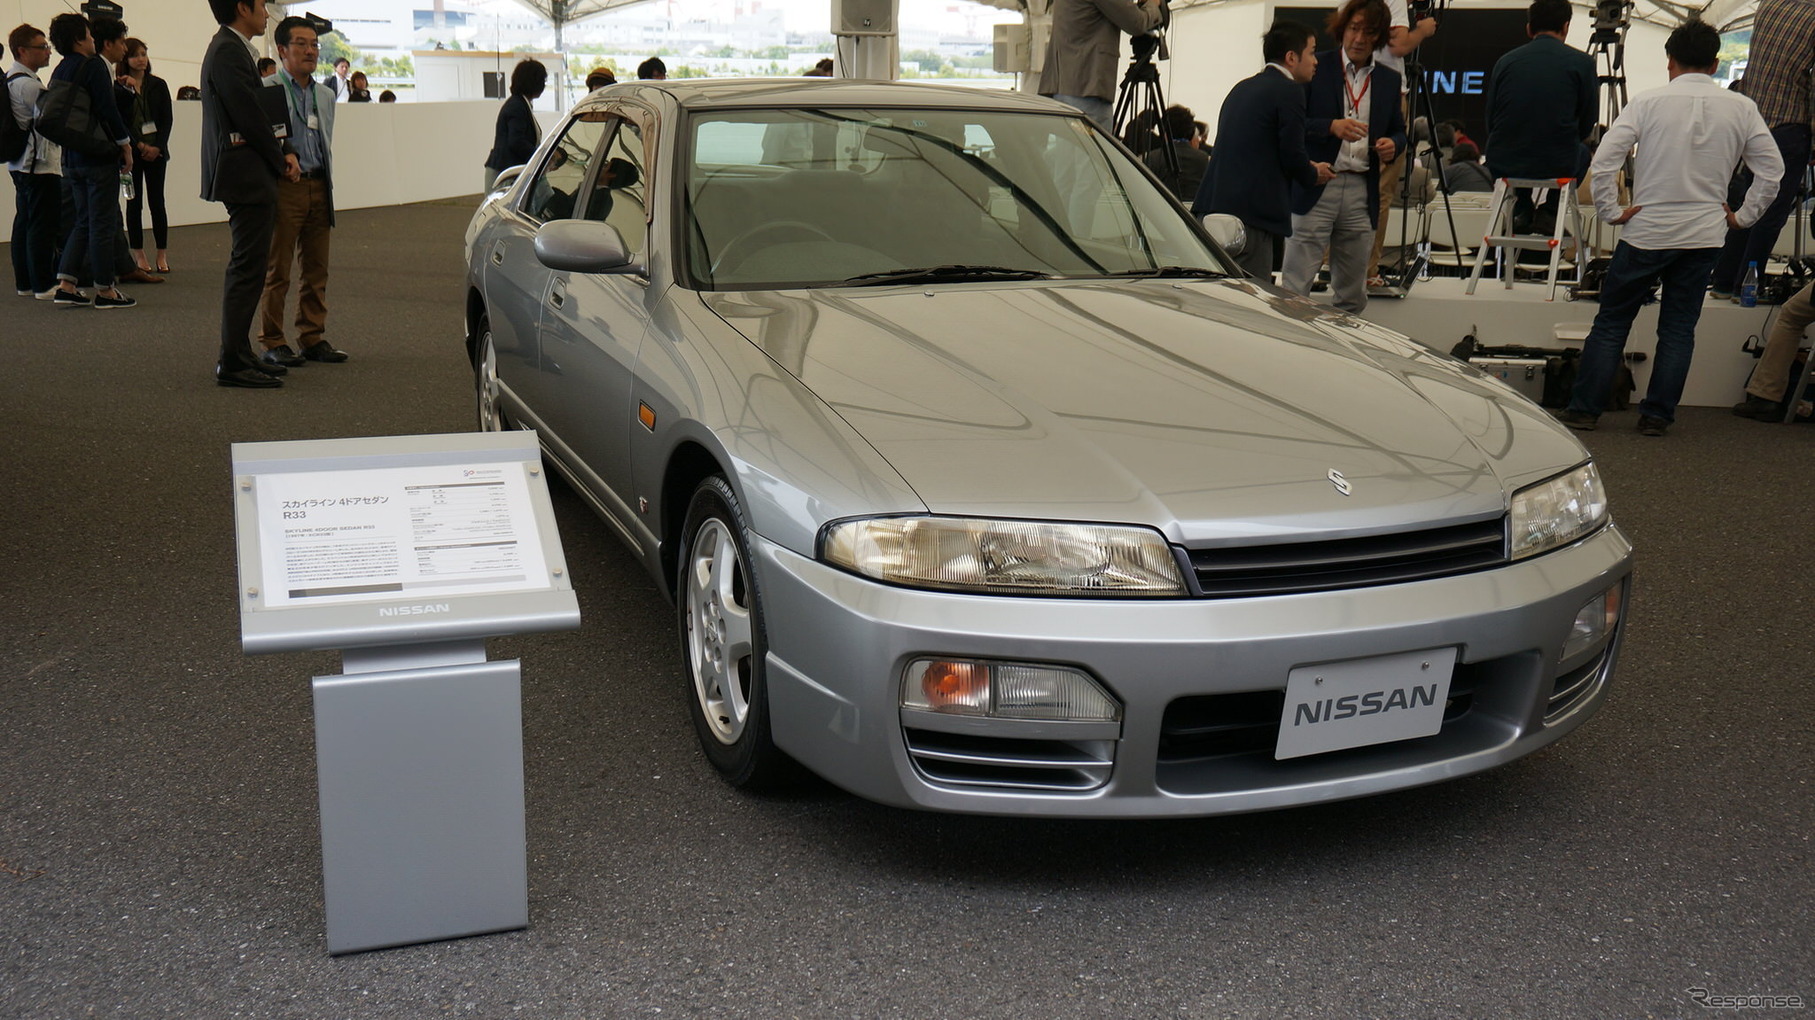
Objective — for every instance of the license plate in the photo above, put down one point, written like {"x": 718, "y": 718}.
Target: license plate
{"x": 1364, "y": 701}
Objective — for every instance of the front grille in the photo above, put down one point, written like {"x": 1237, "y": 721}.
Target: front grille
{"x": 1219, "y": 725}
{"x": 1067, "y": 766}
{"x": 1240, "y": 571}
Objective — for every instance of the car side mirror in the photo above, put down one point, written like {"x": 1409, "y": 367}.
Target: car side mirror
{"x": 583, "y": 246}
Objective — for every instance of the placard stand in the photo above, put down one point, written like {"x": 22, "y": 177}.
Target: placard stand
{"x": 407, "y": 553}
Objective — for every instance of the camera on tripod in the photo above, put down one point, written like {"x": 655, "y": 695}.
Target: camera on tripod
{"x": 1611, "y": 20}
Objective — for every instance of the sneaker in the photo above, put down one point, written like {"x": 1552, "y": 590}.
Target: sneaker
{"x": 103, "y": 301}
{"x": 1759, "y": 409}
{"x": 24, "y": 292}
{"x": 1581, "y": 421}
{"x": 46, "y": 295}
{"x": 1720, "y": 295}
{"x": 1649, "y": 426}
{"x": 70, "y": 299}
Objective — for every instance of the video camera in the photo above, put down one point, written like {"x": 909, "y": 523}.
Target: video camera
{"x": 321, "y": 25}
{"x": 1611, "y": 20}
{"x": 1146, "y": 45}
{"x": 103, "y": 9}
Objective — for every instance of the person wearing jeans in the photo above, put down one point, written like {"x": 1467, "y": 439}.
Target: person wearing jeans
{"x": 1688, "y": 135}
{"x": 94, "y": 180}
{"x": 37, "y": 173}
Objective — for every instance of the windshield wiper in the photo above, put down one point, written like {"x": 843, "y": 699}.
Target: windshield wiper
{"x": 946, "y": 274}
{"x": 1169, "y": 271}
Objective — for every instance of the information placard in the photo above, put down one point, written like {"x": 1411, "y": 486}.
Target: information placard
{"x": 358, "y": 542}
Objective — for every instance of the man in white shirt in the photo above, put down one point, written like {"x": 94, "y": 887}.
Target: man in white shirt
{"x": 1689, "y": 135}
{"x": 37, "y": 173}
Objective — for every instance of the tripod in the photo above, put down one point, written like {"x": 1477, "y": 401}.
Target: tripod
{"x": 1608, "y": 48}
{"x": 1419, "y": 108}
{"x": 1139, "y": 104}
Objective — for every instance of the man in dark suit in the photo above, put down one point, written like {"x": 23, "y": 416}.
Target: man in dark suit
{"x": 1353, "y": 121}
{"x": 1542, "y": 101}
{"x": 242, "y": 159}
{"x": 1260, "y": 147}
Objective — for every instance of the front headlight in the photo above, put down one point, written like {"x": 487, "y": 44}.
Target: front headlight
{"x": 1006, "y": 557}
{"x": 1558, "y": 511}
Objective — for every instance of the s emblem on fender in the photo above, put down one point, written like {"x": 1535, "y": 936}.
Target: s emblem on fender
{"x": 1341, "y": 483}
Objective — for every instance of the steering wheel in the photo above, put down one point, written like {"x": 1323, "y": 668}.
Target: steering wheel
{"x": 746, "y": 244}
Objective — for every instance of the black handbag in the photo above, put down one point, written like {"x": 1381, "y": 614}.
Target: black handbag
{"x": 66, "y": 116}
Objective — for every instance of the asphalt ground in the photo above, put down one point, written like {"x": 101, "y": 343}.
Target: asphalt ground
{"x": 159, "y": 851}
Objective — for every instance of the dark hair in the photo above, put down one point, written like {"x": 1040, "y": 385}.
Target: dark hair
{"x": 133, "y": 46}
{"x": 387, "y": 96}
{"x": 651, "y": 67}
{"x": 1373, "y": 13}
{"x": 1548, "y": 15}
{"x": 226, "y": 12}
{"x": 1284, "y": 37}
{"x": 266, "y": 64}
{"x": 528, "y": 78}
{"x": 339, "y": 61}
{"x": 1695, "y": 45}
{"x": 1464, "y": 152}
{"x": 21, "y": 37}
{"x": 288, "y": 25}
{"x": 1180, "y": 122}
{"x": 66, "y": 30}
{"x": 599, "y": 78}
{"x": 106, "y": 30}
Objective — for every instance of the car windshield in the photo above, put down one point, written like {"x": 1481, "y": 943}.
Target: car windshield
{"x": 849, "y": 197}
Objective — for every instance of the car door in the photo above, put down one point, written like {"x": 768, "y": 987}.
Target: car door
{"x": 593, "y": 324}
{"x": 516, "y": 283}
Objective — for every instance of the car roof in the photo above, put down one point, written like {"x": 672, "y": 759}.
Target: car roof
{"x": 728, "y": 93}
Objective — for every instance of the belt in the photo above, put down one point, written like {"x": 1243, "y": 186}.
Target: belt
{"x": 1339, "y": 171}
{"x": 314, "y": 175}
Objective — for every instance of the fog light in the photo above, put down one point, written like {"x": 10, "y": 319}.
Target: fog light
{"x": 1006, "y": 690}
{"x": 1593, "y": 622}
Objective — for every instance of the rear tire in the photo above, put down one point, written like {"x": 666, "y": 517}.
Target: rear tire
{"x": 719, "y": 617}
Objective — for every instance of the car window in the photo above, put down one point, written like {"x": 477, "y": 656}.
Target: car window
{"x": 619, "y": 191}
{"x": 553, "y": 193}
{"x": 813, "y": 197}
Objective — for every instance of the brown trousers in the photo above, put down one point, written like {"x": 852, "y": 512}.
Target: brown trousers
{"x": 1772, "y": 376}
{"x": 301, "y": 237}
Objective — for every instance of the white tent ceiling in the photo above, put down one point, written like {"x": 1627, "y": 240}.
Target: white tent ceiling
{"x": 1725, "y": 15}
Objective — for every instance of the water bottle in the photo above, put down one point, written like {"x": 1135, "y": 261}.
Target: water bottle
{"x": 1748, "y": 287}
{"x": 126, "y": 184}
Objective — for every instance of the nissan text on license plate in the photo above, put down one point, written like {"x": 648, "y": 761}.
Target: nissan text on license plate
{"x": 1336, "y": 705}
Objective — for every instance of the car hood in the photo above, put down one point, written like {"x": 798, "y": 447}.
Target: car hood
{"x": 1218, "y": 411}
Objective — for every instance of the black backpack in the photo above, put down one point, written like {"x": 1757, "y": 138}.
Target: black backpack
{"x": 13, "y": 138}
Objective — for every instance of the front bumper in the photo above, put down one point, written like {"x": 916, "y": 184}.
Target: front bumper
{"x": 838, "y": 645}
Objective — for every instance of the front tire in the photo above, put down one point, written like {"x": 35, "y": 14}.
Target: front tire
{"x": 485, "y": 379}
{"x": 720, "y": 619}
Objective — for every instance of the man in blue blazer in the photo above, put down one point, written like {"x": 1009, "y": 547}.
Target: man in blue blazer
{"x": 242, "y": 159}
{"x": 1352, "y": 120}
{"x": 1260, "y": 147}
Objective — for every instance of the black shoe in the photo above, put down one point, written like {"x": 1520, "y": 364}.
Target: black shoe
{"x": 269, "y": 368}
{"x": 325, "y": 352}
{"x": 1581, "y": 421}
{"x": 1759, "y": 409}
{"x": 281, "y": 355}
{"x": 70, "y": 299}
{"x": 1649, "y": 426}
{"x": 119, "y": 300}
{"x": 249, "y": 378}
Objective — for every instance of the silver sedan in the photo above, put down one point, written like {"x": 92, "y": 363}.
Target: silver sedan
{"x": 983, "y": 481}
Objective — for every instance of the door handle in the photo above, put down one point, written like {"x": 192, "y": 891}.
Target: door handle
{"x": 497, "y": 253}
{"x": 557, "y": 293}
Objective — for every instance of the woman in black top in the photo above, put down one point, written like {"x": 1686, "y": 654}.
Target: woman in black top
{"x": 358, "y": 91}
{"x": 515, "y": 137}
{"x": 144, "y": 101}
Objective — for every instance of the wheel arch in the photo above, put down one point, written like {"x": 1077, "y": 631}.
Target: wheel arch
{"x": 689, "y": 464}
